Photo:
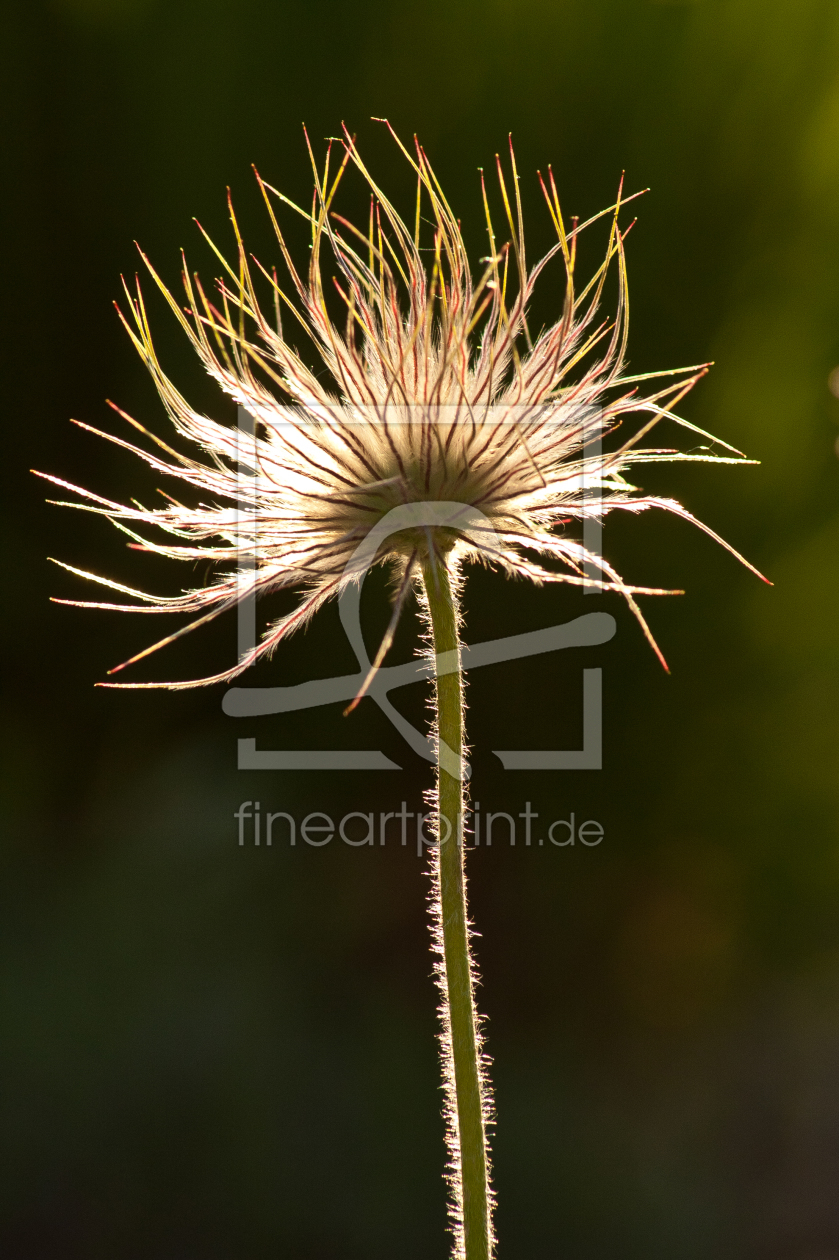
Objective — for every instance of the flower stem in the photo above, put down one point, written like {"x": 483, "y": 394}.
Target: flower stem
{"x": 464, "y": 1077}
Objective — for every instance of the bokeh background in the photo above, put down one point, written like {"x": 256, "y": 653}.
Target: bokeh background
{"x": 228, "y": 1053}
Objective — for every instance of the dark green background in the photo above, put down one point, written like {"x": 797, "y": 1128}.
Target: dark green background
{"x": 228, "y": 1053}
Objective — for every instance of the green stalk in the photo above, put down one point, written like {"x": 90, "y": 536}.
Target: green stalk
{"x": 463, "y": 1072}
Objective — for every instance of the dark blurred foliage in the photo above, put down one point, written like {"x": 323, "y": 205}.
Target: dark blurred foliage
{"x": 228, "y": 1053}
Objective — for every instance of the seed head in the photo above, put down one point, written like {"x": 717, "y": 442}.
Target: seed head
{"x": 435, "y": 391}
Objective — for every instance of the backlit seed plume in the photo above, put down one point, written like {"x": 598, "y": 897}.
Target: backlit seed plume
{"x": 436, "y": 390}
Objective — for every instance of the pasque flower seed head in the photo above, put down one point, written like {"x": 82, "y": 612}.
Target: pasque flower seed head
{"x": 436, "y": 390}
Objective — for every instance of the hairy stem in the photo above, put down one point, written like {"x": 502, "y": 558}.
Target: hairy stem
{"x": 464, "y": 1077}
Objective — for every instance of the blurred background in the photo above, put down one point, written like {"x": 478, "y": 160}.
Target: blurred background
{"x": 228, "y": 1053}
